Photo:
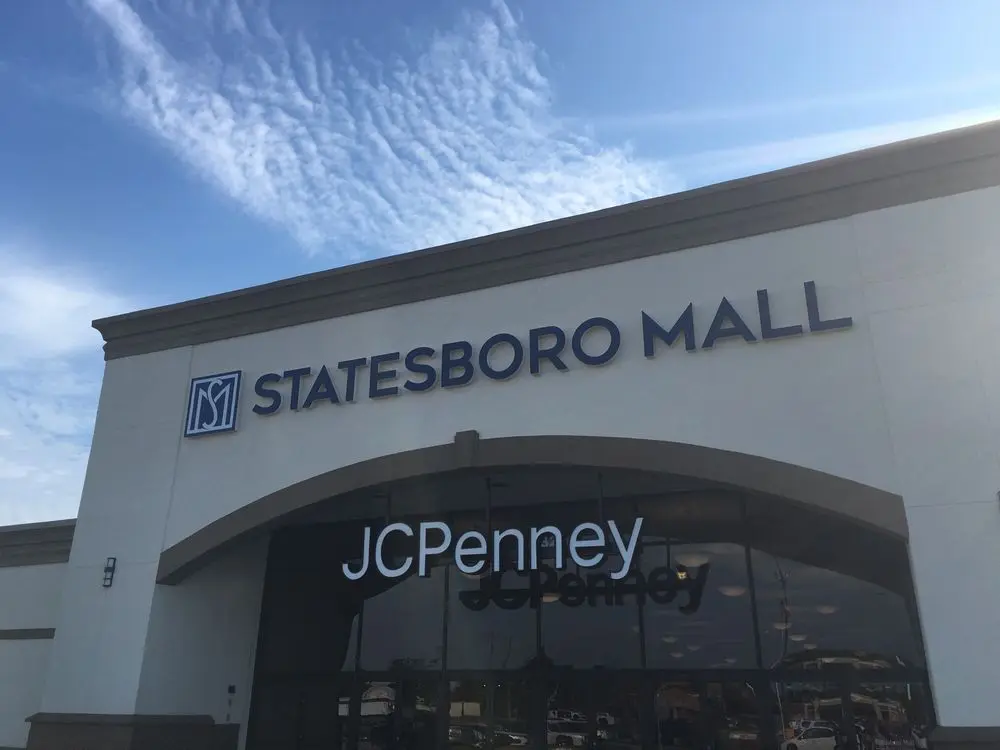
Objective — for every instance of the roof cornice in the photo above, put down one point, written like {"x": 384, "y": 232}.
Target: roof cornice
{"x": 923, "y": 168}
{"x": 36, "y": 543}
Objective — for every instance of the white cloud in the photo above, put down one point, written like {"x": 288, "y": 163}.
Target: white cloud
{"x": 859, "y": 100}
{"x": 50, "y": 370}
{"x": 360, "y": 156}
{"x": 722, "y": 164}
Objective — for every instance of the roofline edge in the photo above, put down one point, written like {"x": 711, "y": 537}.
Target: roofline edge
{"x": 933, "y": 166}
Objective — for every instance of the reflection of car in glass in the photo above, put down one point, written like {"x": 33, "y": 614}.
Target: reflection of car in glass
{"x": 563, "y": 714}
{"x": 508, "y": 738}
{"x": 814, "y": 738}
{"x": 466, "y": 736}
{"x": 801, "y": 725}
{"x": 566, "y": 734}
{"x": 474, "y": 736}
{"x": 739, "y": 732}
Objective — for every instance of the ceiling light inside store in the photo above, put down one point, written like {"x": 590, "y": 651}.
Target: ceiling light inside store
{"x": 669, "y": 639}
{"x": 809, "y": 646}
{"x": 691, "y": 559}
{"x": 733, "y": 590}
{"x": 693, "y": 647}
{"x": 781, "y": 625}
{"x": 550, "y": 597}
{"x": 677, "y": 654}
{"x": 826, "y": 609}
{"x": 798, "y": 637}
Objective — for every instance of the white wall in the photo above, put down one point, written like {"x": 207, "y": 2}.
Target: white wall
{"x": 901, "y": 402}
{"x": 930, "y": 283}
{"x": 22, "y": 680}
{"x": 29, "y": 599}
{"x": 98, "y": 652}
{"x": 30, "y": 596}
{"x": 749, "y": 398}
{"x": 202, "y": 638}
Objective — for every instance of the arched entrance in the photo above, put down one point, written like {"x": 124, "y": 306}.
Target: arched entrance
{"x": 826, "y": 494}
{"x": 616, "y": 607}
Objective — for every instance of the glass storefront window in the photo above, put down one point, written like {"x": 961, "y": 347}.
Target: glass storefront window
{"x": 731, "y": 712}
{"x": 705, "y": 621}
{"x": 485, "y": 632}
{"x": 720, "y": 631}
{"x": 812, "y": 712}
{"x": 310, "y": 615}
{"x": 589, "y": 617}
{"x": 403, "y": 625}
{"x": 890, "y": 715}
{"x": 677, "y": 714}
{"x": 813, "y": 618}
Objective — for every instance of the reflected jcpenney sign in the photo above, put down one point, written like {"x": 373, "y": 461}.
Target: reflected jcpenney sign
{"x": 536, "y": 558}
{"x": 587, "y": 546}
{"x": 659, "y": 586}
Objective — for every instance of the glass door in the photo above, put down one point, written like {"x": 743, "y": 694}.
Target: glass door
{"x": 596, "y": 708}
{"x": 814, "y": 714}
{"x": 400, "y": 712}
{"x": 733, "y": 717}
{"x": 304, "y": 714}
{"x": 678, "y": 714}
{"x": 890, "y": 714}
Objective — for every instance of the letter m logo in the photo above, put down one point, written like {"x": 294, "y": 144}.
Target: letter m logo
{"x": 212, "y": 404}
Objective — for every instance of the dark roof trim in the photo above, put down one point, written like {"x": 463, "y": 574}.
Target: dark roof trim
{"x": 27, "y": 634}
{"x": 965, "y": 737}
{"x": 896, "y": 174}
{"x": 36, "y": 543}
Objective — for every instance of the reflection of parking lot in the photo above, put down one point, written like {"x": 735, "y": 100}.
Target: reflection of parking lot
{"x": 475, "y": 735}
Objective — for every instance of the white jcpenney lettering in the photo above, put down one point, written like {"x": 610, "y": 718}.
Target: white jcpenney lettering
{"x": 587, "y": 548}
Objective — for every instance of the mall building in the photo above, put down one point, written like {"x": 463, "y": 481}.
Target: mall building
{"x": 718, "y": 469}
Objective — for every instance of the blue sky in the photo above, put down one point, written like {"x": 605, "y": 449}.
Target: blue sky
{"x": 160, "y": 150}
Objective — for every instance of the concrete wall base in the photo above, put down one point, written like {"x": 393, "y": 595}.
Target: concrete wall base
{"x": 129, "y": 732}
{"x": 965, "y": 738}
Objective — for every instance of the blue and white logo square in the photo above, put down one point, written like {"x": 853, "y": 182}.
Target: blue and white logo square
{"x": 212, "y": 404}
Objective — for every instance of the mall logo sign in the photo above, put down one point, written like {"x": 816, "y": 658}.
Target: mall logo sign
{"x": 212, "y": 404}
{"x": 595, "y": 342}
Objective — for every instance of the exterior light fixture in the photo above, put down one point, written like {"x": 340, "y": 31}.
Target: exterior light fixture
{"x": 109, "y": 571}
{"x": 732, "y": 590}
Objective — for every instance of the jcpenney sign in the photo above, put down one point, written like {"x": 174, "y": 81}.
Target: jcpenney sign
{"x": 586, "y": 545}
{"x": 214, "y": 399}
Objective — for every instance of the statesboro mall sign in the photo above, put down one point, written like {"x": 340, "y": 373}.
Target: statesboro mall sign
{"x": 213, "y": 400}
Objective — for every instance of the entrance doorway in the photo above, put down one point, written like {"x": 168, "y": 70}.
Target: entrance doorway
{"x": 616, "y": 711}
{"x": 700, "y": 617}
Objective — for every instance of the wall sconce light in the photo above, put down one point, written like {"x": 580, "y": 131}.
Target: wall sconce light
{"x": 109, "y": 571}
